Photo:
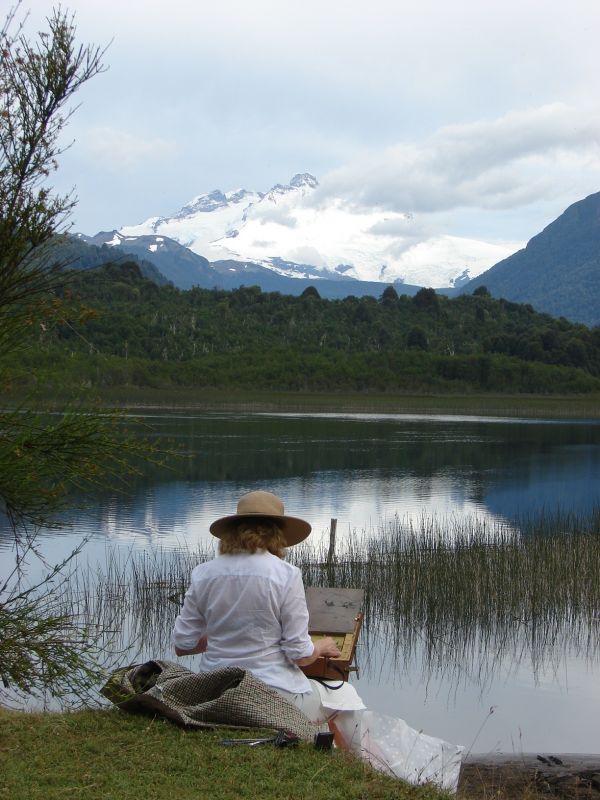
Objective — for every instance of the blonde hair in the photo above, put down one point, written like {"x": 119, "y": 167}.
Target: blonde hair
{"x": 248, "y": 536}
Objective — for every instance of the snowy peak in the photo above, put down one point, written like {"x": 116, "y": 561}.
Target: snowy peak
{"x": 285, "y": 231}
{"x": 301, "y": 184}
{"x": 215, "y": 200}
{"x": 304, "y": 179}
{"x": 205, "y": 203}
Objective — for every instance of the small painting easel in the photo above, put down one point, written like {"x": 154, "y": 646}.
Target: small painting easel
{"x": 336, "y": 613}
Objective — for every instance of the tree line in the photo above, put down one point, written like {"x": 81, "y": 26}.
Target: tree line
{"x": 118, "y": 328}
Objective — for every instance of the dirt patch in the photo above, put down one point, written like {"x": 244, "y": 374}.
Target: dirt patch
{"x": 530, "y": 777}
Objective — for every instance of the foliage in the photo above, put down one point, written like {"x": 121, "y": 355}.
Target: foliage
{"x": 44, "y": 645}
{"x": 47, "y": 644}
{"x": 144, "y": 335}
{"x": 41, "y": 458}
{"x": 426, "y": 299}
{"x": 311, "y": 291}
{"x": 389, "y": 295}
{"x": 37, "y": 81}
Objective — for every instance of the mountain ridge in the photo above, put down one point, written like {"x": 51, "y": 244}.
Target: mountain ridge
{"x": 319, "y": 236}
{"x": 185, "y": 269}
{"x": 558, "y": 271}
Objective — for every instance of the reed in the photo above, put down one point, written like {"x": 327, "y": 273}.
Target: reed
{"x": 469, "y": 597}
{"x": 464, "y": 597}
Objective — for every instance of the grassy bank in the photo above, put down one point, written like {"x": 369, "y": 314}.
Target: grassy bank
{"x": 106, "y": 755}
{"x": 113, "y": 756}
{"x": 501, "y": 405}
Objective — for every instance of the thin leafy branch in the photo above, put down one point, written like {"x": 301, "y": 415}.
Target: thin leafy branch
{"x": 38, "y": 80}
{"x": 50, "y": 642}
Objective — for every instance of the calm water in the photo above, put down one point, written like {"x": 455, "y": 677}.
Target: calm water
{"x": 364, "y": 469}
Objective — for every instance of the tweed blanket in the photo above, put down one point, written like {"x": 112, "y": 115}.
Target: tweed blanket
{"x": 230, "y": 697}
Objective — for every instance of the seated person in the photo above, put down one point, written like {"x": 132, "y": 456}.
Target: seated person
{"x": 247, "y": 608}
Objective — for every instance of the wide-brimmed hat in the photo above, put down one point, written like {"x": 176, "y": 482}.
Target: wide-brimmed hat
{"x": 268, "y": 506}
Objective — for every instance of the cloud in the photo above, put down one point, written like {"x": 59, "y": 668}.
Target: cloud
{"x": 401, "y": 225}
{"x": 515, "y": 160}
{"x": 306, "y": 255}
{"x": 121, "y": 150}
{"x": 275, "y": 214}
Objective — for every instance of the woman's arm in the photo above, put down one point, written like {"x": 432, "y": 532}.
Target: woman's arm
{"x": 199, "y": 648}
{"x": 323, "y": 648}
{"x": 296, "y": 642}
{"x": 189, "y": 631}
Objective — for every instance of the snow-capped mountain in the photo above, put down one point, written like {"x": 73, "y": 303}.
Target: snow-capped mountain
{"x": 296, "y": 231}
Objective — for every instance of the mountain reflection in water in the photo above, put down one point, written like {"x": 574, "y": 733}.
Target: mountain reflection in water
{"x": 358, "y": 468}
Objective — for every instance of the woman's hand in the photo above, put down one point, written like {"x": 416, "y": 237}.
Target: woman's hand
{"x": 199, "y": 648}
{"x": 324, "y": 648}
{"x": 327, "y": 648}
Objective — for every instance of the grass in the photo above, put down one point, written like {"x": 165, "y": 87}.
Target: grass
{"x": 108, "y": 755}
{"x": 503, "y": 405}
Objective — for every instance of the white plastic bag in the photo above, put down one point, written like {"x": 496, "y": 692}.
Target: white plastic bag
{"x": 389, "y": 744}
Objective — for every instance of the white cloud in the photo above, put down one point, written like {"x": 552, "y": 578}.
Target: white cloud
{"x": 306, "y": 255}
{"x": 276, "y": 214}
{"x": 121, "y": 150}
{"x": 403, "y": 225}
{"x": 255, "y": 92}
{"x": 517, "y": 159}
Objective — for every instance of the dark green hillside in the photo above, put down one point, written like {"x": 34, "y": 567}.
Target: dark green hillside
{"x": 79, "y": 254}
{"x": 559, "y": 270}
{"x": 141, "y": 334}
{"x": 180, "y": 265}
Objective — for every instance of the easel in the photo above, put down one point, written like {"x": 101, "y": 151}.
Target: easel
{"x": 336, "y": 613}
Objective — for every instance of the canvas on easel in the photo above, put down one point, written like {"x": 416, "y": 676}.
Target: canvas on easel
{"x": 336, "y": 613}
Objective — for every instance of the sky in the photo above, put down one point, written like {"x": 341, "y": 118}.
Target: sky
{"x": 479, "y": 117}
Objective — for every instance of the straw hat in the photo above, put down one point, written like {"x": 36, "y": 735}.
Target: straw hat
{"x": 266, "y": 505}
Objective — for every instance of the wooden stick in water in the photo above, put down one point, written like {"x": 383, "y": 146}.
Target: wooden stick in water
{"x": 331, "y": 554}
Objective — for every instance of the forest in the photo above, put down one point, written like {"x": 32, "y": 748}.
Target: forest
{"x": 110, "y": 326}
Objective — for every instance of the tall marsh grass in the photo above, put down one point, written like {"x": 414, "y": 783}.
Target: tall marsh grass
{"x": 465, "y": 598}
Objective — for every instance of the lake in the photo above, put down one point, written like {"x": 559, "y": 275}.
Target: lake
{"x": 366, "y": 471}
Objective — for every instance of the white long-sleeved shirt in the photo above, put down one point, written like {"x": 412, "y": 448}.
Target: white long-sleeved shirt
{"x": 252, "y": 608}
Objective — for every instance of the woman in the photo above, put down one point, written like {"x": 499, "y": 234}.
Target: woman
{"x": 247, "y": 608}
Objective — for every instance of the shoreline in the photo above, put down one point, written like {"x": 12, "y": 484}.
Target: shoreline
{"x": 533, "y": 759}
{"x": 564, "y": 407}
{"x": 569, "y": 776}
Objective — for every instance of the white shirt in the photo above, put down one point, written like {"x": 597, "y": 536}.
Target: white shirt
{"x": 252, "y": 608}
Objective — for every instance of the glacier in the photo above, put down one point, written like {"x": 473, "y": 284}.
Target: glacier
{"x": 295, "y": 230}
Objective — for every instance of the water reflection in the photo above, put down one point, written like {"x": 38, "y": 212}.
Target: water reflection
{"x": 449, "y": 630}
{"x": 366, "y": 470}
{"x": 357, "y": 468}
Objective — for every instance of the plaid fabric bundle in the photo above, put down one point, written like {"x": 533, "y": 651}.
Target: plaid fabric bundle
{"x": 230, "y": 697}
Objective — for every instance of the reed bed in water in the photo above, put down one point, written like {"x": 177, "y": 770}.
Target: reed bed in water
{"x": 472, "y": 597}
{"x": 464, "y": 596}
